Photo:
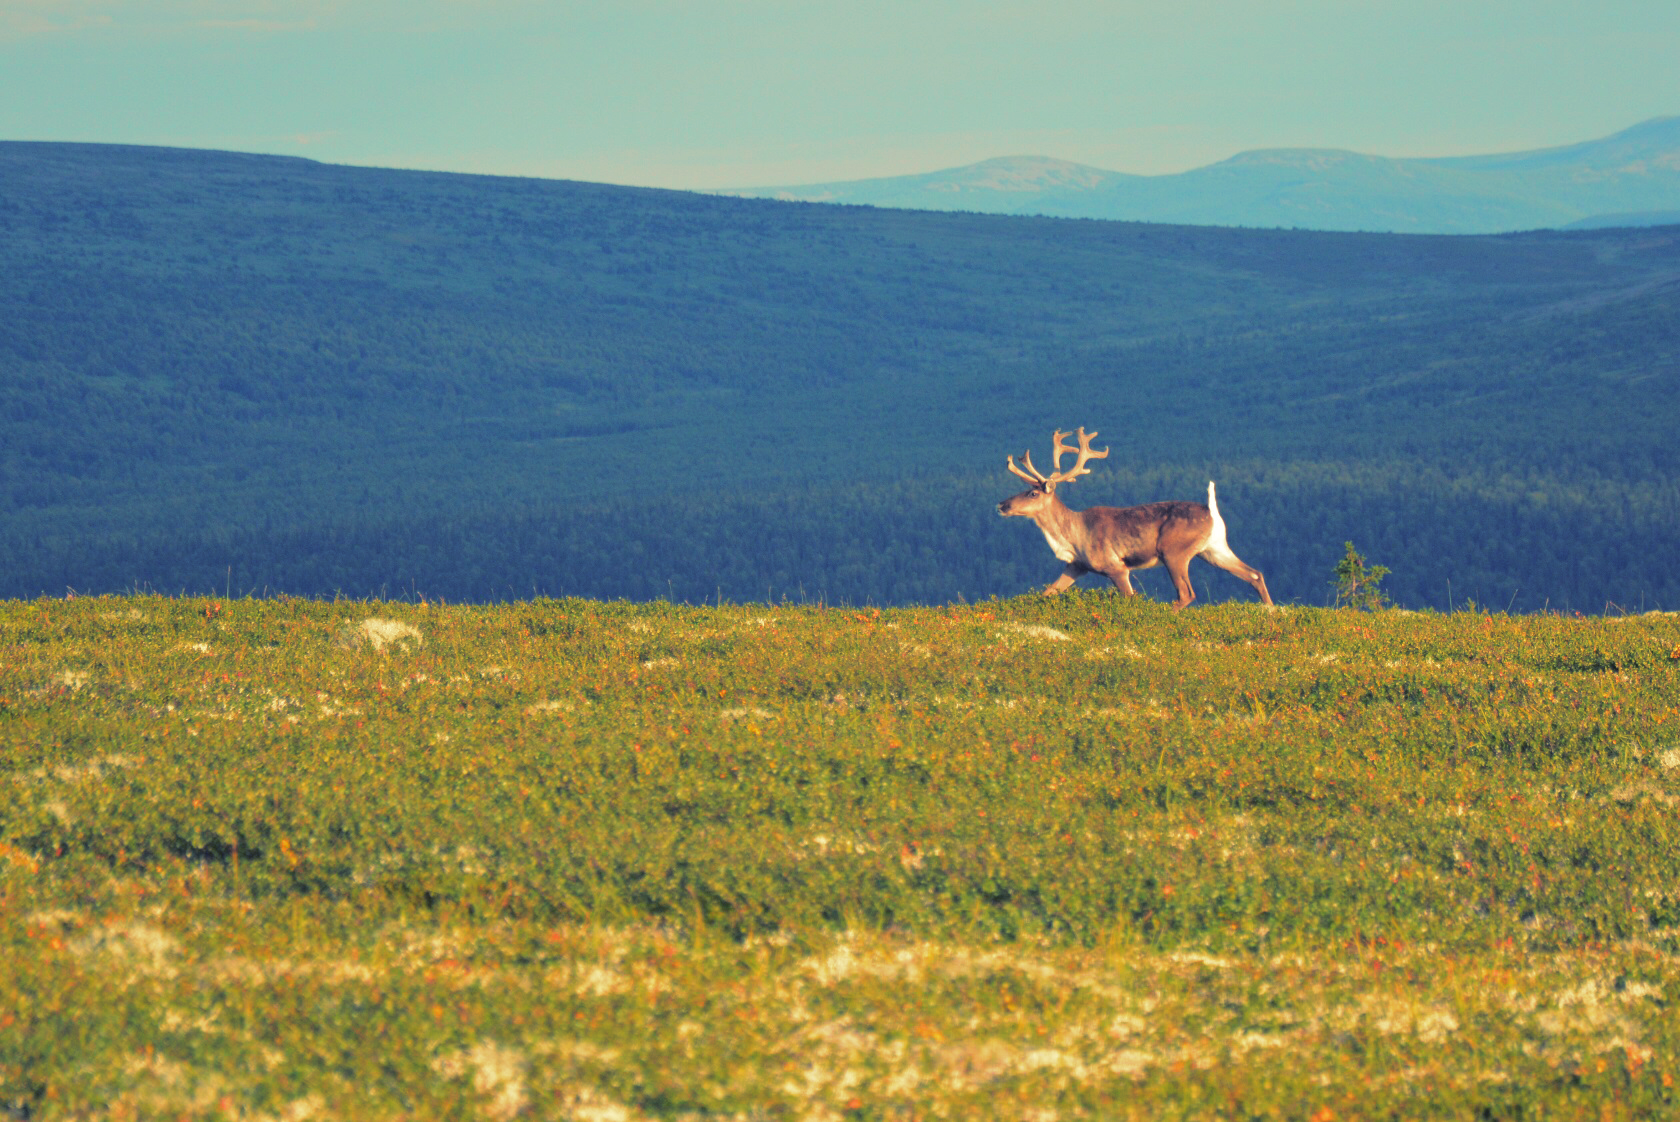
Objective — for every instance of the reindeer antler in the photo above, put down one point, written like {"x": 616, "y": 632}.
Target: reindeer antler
{"x": 1085, "y": 454}
{"x": 1039, "y": 479}
{"x": 1031, "y": 475}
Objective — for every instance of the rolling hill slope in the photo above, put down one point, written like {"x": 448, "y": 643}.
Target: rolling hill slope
{"x": 240, "y": 371}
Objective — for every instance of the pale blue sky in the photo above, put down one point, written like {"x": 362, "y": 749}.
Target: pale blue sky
{"x": 715, "y": 93}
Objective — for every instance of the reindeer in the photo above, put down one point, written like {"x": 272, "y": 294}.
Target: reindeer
{"x": 1115, "y": 540}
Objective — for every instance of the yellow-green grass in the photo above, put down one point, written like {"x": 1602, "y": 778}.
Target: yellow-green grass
{"x": 1066, "y": 858}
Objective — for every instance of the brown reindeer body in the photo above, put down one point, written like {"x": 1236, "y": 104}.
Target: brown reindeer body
{"x": 1114, "y": 541}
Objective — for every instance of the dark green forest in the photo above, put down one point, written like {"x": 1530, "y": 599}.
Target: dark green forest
{"x": 261, "y": 374}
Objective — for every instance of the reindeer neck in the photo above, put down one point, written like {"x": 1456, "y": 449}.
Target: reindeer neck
{"x": 1062, "y": 528}
{"x": 1056, "y": 515}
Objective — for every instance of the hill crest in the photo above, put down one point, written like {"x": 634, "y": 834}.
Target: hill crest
{"x": 232, "y": 370}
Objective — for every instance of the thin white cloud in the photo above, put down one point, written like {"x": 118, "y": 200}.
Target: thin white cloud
{"x": 256, "y": 25}
{"x": 23, "y": 19}
{"x": 20, "y": 19}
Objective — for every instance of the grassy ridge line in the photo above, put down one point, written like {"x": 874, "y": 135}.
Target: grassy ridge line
{"x": 1080, "y": 854}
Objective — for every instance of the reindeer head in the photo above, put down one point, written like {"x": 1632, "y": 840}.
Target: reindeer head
{"x": 1042, "y": 490}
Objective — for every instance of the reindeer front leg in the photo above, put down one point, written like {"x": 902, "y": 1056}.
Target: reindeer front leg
{"x": 1069, "y": 575}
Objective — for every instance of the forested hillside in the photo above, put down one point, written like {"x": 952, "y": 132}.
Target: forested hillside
{"x": 263, "y": 373}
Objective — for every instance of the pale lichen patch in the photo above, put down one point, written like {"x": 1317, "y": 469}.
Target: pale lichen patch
{"x": 61, "y": 918}
{"x": 147, "y": 951}
{"x": 822, "y": 845}
{"x": 380, "y": 634}
{"x": 240, "y": 970}
{"x": 95, "y": 768}
{"x": 1036, "y": 631}
{"x": 301, "y": 1109}
{"x": 498, "y": 1072}
{"x": 1630, "y": 794}
{"x": 590, "y": 1104}
{"x": 1430, "y": 1025}
{"x": 537, "y": 708}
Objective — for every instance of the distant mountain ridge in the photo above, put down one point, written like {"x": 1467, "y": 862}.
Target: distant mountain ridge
{"x": 1629, "y": 178}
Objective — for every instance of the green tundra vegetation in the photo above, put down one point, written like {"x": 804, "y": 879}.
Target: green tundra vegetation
{"x": 225, "y": 372}
{"x": 1079, "y": 857}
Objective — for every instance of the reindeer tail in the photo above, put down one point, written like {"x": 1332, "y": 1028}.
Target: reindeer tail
{"x": 1216, "y": 538}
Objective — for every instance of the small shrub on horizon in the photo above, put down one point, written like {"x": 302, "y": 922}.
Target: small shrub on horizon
{"x": 1358, "y": 582}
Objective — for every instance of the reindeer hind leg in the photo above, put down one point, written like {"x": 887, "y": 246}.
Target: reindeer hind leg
{"x": 1221, "y": 556}
{"x": 1179, "y": 569}
{"x": 1122, "y": 579}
